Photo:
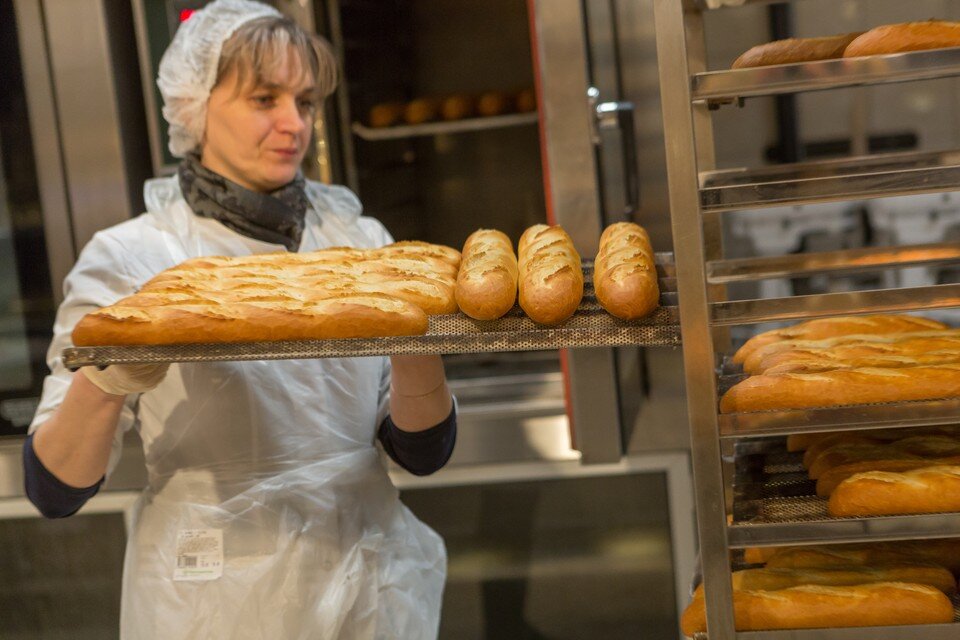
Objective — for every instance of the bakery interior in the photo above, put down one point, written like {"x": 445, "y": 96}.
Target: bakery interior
{"x": 591, "y": 487}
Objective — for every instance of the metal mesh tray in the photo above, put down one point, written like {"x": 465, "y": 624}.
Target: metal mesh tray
{"x": 590, "y": 326}
{"x": 772, "y": 487}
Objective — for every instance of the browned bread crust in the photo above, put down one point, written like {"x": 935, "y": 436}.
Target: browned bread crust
{"x": 839, "y": 388}
{"x": 824, "y": 328}
{"x": 774, "y": 578}
{"x": 877, "y": 493}
{"x": 907, "y": 36}
{"x": 624, "y": 272}
{"x": 904, "y": 353}
{"x": 816, "y": 606}
{"x": 550, "y": 274}
{"x": 830, "y": 479}
{"x": 334, "y": 293}
{"x": 487, "y": 282}
{"x": 943, "y": 552}
{"x": 795, "y": 50}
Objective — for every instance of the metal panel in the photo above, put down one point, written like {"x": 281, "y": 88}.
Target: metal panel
{"x": 826, "y": 74}
{"x": 689, "y": 247}
{"x": 89, "y": 118}
{"x": 845, "y": 261}
{"x": 938, "y": 296}
{"x": 45, "y": 131}
{"x": 572, "y": 189}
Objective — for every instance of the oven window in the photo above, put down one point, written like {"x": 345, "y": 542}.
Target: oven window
{"x": 559, "y": 559}
{"x": 61, "y": 578}
{"x": 26, "y": 299}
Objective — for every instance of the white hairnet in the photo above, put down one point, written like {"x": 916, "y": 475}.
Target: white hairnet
{"x": 188, "y": 69}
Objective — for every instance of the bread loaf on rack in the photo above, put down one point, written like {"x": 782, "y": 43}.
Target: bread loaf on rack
{"x": 624, "y": 272}
{"x": 944, "y": 552}
{"x": 817, "y": 606}
{"x": 805, "y": 441}
{"x": 906, "y": 353}
{"x": 830, "y": 479}
{"x": 754, "y": 362}
{"x": 772, "y": 579}
{"x": 832, "y": 439}
{"x": 333, "y": 293}
{"x": 351, "y": 316}
{"x": 907, "y": 36}
{"x": 823, "y": 328}
{"x": 487, "y": 282}
{"x": 794, "y": 50}
{"x": 877, "y": 493}
{"x": 550, "y": 274}
{"x": 839, "y": 388}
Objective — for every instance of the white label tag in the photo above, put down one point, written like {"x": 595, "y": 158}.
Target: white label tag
{"x": 199, "y": 554}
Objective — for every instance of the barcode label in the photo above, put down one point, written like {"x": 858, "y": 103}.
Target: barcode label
{"x": 199, "y": 554}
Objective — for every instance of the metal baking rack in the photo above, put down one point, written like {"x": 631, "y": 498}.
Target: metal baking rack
{"x": 438, "y": 128}
{"x": 590, "y": 326}
{"x": 699, "y": 196}
{"x": 775, "y": 502}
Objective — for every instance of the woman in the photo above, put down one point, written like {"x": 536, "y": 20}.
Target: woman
{"x": 268, "y": 512}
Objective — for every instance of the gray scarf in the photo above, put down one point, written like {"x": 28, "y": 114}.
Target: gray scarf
{"x": 275, "y": 217}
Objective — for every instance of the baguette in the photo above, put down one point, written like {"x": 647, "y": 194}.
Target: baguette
{"x": 840, "y": 388}
{"x": 943, "y": 552}
{"x": 385, "y": 114}
{"x": 816, "y": 606}
{"x": 910, "y": 353}
{"x": 624, "y": 272}
{"x": 344, "y": 317}
{"x": 493, "y": 103}
{"x": 842, "y": 454}
{"x": 832, "y": 439}
{"x": 795, "y": 50}
{"x": 550, "y": 275}
{"x": 803, "y": 441}
{"x": 830, "y": 479}
{"x": 908, "y": 36}
{"x": 753, "y": 363}
{"x": 823, "y": 328}
{"x": 421, "y": 110}
{"x": 458, "y": 106}
{"x": 878, "y": 493}
{"x": 772, "y": 579}
{"x": 487, "y": 282}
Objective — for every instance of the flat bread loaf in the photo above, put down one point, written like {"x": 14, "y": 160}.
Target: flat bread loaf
{"x": 332, "y": 293}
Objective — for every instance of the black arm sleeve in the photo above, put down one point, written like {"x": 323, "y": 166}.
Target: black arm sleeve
{"x": 49, "y": 495}
{"x": 421, "y": 452}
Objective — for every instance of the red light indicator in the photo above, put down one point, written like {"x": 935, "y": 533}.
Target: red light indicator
{"x": 186, "y": 13}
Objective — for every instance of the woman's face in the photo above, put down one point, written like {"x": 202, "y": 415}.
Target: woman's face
{"x": 257, "y": 136}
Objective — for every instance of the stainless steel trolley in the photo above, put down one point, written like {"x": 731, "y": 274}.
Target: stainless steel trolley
{"x": 763, "y": 509}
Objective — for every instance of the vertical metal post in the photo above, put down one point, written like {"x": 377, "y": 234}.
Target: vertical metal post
{"x": 690, "y": 245}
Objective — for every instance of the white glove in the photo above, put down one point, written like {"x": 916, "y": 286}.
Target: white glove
{"x": 121, "y": 379}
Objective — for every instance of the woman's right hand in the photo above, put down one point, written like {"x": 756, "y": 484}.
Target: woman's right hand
{"x": 123, "y": 379}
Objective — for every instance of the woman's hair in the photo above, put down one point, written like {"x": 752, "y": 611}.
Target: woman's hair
{"x": 259, "y": 47}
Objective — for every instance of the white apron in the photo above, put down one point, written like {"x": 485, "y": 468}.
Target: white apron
{"x": 277, "y": 457}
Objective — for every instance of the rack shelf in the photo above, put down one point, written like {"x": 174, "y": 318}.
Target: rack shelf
{"x": 938, "y": 296}
{"x": 846, "y": 261}
{"x": 846, "y": 179}
{"x": 853, "y": 418}
{"x": 733, "y": 84}
{"x": 438, "y": 128}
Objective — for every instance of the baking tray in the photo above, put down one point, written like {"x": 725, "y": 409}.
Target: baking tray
{"x": 590, "y": 326}
{"x": 774, "y": 502}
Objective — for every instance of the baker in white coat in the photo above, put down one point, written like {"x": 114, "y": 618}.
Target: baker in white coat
{"x": 268, "y": 513}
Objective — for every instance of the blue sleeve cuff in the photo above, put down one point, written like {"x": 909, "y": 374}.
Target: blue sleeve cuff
{"x": 49, "y": 494}
{"x": 420, "y": 452}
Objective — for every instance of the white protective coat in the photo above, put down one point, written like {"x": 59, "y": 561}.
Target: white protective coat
{"x": 278, "y": 455}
